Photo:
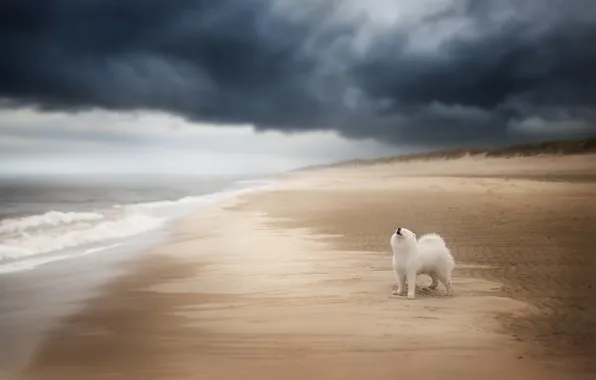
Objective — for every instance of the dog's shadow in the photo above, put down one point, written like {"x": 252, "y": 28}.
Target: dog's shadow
{"x": 425, "y": 291}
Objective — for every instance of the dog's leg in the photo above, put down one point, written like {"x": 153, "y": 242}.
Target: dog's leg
{"x": 404, "y": 285}
{"x": 401, "y": 286}
{"x": 411, "y": 285}
{"x": 435, "y": 282}
{"x": 446, "y": 280}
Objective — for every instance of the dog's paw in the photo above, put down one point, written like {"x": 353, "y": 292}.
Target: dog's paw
{"x": 411, "y": 297}
{"x": 397, "y": 293}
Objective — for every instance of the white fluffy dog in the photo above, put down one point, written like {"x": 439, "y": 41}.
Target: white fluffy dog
{"x": 428, "y": 255}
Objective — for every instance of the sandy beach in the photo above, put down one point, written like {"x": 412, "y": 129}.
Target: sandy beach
{"x": 295, "y": 282}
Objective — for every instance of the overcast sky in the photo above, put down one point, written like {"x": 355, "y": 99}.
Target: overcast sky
{"x": 228, "y": 85}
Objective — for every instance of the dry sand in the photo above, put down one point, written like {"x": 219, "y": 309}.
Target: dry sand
{"x": 296, "y": 282}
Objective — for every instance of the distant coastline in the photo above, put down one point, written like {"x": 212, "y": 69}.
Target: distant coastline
{"x": 548, "y": 147}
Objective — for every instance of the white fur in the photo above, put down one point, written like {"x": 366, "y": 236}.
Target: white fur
{"x": 428, "y": 255}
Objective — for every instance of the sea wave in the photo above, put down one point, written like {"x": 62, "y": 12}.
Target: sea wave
{"x": 54, "y": 231}
{"x": 52, "y": 218}
{"x": 21, "y": 242}
{"x": 31, "y": 263}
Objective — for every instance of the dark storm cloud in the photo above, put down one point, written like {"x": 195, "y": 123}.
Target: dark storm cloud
{"x": 468, "y": 72}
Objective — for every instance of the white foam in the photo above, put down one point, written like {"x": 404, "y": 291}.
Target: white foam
{"x": 57, "y": 231}
{"x": 100, "y": 249}
{"x": 11, "y": 252}
{"x": 197, "y": 200}
{"x": 29, "y": 264}
{"x": 52, "y": 218}
{"x": 255, "y": 182}
{"x": 47, "y": 240}
{"x": 168, "y": 203}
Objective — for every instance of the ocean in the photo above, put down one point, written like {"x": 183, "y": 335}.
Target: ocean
{"x": 49, "y": 219}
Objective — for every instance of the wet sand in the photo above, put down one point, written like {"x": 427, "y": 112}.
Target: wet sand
{"x": 296, "y": 282}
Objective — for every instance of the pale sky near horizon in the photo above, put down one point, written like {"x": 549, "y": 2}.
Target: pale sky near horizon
{"x": 105, "y": 142}
{"x": 227, "y": 86}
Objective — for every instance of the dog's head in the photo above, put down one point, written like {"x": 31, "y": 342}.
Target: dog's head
{"x": 403, "y": 234}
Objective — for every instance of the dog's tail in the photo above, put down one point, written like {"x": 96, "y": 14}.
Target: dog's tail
{"x": 437, "y": 241}
{"x": 432, "y": 238}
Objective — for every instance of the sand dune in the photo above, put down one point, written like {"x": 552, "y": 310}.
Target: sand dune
{"x": 296, "y": 282}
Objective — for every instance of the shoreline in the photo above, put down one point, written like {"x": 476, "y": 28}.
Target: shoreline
{"x": 38, "y": 292}
{"x": 296, "y": 280}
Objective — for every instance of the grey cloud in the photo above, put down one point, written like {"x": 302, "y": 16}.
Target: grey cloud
{"x": 464, "y": 72}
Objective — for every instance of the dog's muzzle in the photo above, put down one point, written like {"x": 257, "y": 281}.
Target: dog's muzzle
{"x": 398, "y": 231}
